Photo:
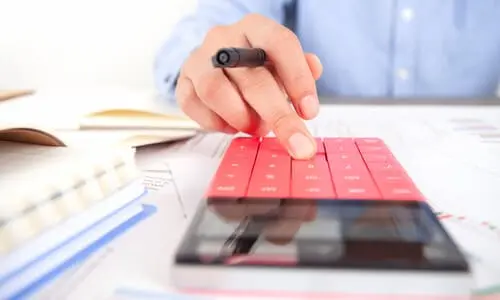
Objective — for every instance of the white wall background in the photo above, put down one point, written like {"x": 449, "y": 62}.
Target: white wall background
{"x": 77, "y": 43}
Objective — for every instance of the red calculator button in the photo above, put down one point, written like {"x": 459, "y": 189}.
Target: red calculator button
{"x": 340, "y": 145}
{"x": 233, "y": 174}
{"x": 345, "y": 163}
{"x": 400, "y": 192}
{"x": 395, "y": 178}
{"x": 397, "y": 186}
{"x": 242, "y": 151}
{"x": 344, "y": 158}
{"x": 357, "y": 177}
{"x": 269, "y": 185}
{"x": 369, "y": 141}
{"x": 227, "y": 187}
{"x": 232, "y": 177}
{"x": 244, "y": 141}
{"x": 387, "y": 168}
{"x": 311, "y": 179}
{"x": 270, "y": 177}
{"x": 378, "y": 149}
{"x": 243, "y": 147}
{"x": 378, "y": 157}
{"x": 232, "y": 163}
{"x": 271, "y": 143}
{"x": 338, "y": 140}
{"x": 356, "y": 183}
{"x": 320, "y": 146}
{"x": 272, "y": 161}
{"x": 363, "y": 190}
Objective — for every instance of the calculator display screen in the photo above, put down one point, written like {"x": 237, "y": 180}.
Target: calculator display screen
{"x": 320, "y": 234}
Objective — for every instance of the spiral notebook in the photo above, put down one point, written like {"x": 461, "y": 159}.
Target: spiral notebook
{"x": 50, "y": 194}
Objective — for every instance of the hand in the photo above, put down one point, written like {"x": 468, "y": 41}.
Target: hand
{"x": 254, "y": 100}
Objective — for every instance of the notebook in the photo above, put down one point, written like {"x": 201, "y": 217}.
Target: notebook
{"x": 49, "y": 195}
{"x": 41, "y": 186}
{"x": 75, "y": 117}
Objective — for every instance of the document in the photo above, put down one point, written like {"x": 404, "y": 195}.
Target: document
{"x": 451, "y": 154}
{"x": 455, "y": 168}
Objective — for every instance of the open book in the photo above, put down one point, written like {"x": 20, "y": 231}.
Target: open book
{"x": 93, "y": 117}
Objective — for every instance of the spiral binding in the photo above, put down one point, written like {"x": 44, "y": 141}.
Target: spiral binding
{"x": 70, "y": 182}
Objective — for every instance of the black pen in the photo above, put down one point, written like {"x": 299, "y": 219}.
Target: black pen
{"x": 239, "y": 57}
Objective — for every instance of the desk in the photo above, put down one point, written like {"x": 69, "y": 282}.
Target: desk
{"x": 141, "y": 258}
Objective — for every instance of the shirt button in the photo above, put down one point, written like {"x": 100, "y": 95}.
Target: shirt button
{"x": 403, "y": 74}
{"x": 407, "y": 14}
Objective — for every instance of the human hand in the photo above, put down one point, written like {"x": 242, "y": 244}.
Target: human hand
{"x": 254, "y": 100}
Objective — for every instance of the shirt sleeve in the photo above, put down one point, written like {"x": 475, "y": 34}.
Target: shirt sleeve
{"x": 190, "y": 31}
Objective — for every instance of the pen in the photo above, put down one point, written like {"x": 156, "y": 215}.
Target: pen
{"x": 239, "y": 57}
{"x": 244, "y": 237}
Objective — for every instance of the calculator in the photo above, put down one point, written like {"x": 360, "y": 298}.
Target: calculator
{"x": 348, "y": 220}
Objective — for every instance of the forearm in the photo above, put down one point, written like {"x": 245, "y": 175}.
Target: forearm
{"x": 190, "y": 32}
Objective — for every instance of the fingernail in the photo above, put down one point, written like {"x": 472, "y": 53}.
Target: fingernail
{"x": 300, "y": 146}
{"x": 309, "y": 106}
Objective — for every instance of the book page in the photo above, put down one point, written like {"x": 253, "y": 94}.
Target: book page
{"x": 126, "y": 138}
{"x": 71, "y": 108}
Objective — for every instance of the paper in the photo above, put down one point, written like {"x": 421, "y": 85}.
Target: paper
{"x": 126, "y": 138}
{"x": 453, "y": 155}
{"x": 138, "y": 294}
{"x": 141, "y": 258}
{"x": 71, "y": 106}
{"x": 454, "y": 167}
{"x": 191, "y": 191}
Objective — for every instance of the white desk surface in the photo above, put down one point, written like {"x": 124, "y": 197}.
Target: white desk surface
{"x": 453, "y": 155}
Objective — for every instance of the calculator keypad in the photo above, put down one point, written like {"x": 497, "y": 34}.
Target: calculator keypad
{"x": 343, "y": 168}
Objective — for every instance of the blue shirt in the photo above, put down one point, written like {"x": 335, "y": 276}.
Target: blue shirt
{"x": 391, "y": 48}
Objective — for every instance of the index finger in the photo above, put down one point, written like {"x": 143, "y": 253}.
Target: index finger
{"x": 284, "y": 50}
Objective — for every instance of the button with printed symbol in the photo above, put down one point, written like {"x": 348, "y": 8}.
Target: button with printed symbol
{"x": 270, "y": 178}
{"x": 385, "y": 167}
{"x": 363, "y": 190}
{"x": 368, "y": 141}
{"x": 311, "y": 179}
{"x": 398, "y": 188}
{"x": 225, "y": 188}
